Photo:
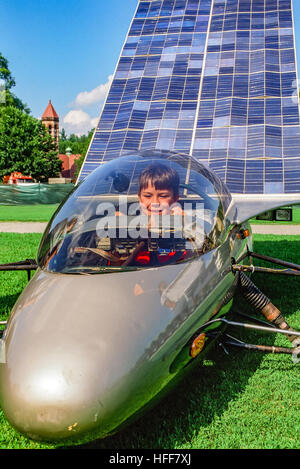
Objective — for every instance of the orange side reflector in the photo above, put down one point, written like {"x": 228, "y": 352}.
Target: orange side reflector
{"x": 197, "y": 345}
{"x": 243, "y": 234}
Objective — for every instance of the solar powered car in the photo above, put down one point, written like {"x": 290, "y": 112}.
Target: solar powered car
{"x": 126, "y": 297}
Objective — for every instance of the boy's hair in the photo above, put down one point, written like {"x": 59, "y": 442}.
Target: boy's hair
{"x": 161, "y": 177}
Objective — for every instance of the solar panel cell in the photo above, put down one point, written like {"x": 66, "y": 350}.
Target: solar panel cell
{"x": 215, "y": 78}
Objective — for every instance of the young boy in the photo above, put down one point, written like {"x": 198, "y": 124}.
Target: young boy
{"x": 158, "y": 190}
{"x": 158, "y": 194}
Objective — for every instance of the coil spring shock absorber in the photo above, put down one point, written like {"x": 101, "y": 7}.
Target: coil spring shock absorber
{"x": 263, "y": 304}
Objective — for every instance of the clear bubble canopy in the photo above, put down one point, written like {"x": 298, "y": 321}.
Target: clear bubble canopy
{"x": 141, "y": 210}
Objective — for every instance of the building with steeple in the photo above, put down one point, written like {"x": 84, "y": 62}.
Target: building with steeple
{"x": 50, "y": 120}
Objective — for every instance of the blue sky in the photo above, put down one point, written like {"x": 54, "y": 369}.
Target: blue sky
{"x": 66, "y": 50}
{"x": 60, "y": 48}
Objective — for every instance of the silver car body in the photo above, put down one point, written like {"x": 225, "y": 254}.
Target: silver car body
{"x": 87, "y": 353}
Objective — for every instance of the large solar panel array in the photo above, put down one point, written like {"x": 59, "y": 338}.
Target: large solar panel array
{"x": 213, "y": 78}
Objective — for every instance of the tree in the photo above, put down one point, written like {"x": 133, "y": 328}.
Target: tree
{"x": 78, "y": 163}
{"x": 63, "y": 136}
{"x": 79, "y": 145}
{"x": 5, "y": 73}
{"x": 26, "y": 146}
{"x": 7, "y": 97}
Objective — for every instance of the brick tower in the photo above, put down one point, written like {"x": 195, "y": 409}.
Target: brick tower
{"x": 50, "y": 120}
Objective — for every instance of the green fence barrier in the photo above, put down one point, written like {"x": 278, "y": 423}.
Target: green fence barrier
{"x": 34, "y": 194}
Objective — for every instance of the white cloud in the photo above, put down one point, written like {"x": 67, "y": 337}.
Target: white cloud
{"x": 94, "y": 121}
{"x": 79, "y": 122}
{"x": 98, "y": 94}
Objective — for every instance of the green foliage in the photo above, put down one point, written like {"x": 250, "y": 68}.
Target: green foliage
{"x": 7, "y": 97}
{"x": 26, "y": 146}
{"x": 63, "y": 136}
{"x": 78, "y": 145}
{"x": 12, "y": 100}
{"x": 5, "y": 73}
{"x": 78, "y": 164}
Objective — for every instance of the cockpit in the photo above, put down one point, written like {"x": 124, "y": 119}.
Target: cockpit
{"x": 141, "y": 210}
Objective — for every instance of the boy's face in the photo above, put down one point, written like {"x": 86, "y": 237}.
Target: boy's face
{"x": 156, "y": 201}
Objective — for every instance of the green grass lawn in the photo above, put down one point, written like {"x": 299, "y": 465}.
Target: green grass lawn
{"x": 40, "y": 213}
{"x": 244, "y": 400}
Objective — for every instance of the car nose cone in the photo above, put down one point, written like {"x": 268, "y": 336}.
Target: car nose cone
{"x": 71, "y": 349}
{"x": 52, "y": 401}
{"x": 52, "y": 391}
